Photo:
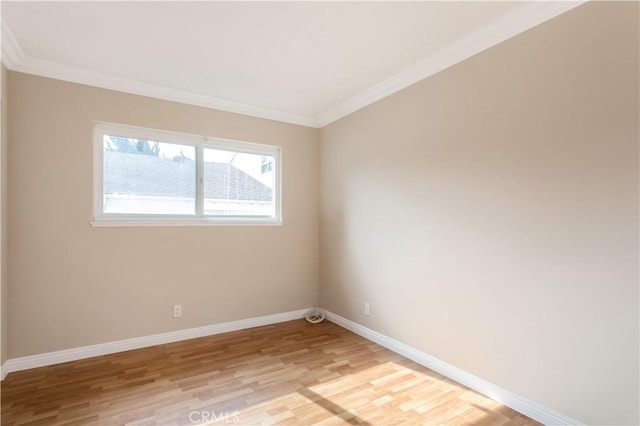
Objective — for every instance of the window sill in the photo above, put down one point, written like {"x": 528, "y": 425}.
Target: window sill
{"x": 160, "y": 223}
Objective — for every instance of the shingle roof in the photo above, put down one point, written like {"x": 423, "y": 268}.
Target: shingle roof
{"x": 126, "y": 173}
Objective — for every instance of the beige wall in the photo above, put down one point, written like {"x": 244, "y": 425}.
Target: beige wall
{"x": 74, "y": 285}
{"x": 489, "y": 214}
{"x": 4, "y": 323}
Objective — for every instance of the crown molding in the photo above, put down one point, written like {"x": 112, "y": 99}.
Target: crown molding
{"x": 14, "y": 59}
{"x": 12, "y": 54}
{"x": 517, "y": 22}
{"x": 522, "y": 19}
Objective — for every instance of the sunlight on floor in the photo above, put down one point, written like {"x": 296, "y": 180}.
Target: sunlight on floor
{"x": 388, "y": 393}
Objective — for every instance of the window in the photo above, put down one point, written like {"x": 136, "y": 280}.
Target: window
{"x": 145, "y": 176}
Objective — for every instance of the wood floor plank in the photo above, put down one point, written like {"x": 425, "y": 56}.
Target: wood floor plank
{"x": 292, "y": 373}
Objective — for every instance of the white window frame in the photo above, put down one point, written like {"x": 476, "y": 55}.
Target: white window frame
{"x": 100, "y": 218}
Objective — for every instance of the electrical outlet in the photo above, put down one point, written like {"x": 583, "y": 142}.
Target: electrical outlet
{"x": 367, "y": 311}
{"x": 177, "y": 311}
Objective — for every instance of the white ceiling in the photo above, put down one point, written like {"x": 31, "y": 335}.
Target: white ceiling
{"x": 308, "y": 63}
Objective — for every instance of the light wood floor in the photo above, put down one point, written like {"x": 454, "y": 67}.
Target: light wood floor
{"x": 287, "y": 373}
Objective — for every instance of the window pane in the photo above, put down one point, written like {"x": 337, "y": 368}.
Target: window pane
{"x": 145, "y": 177}
{"x": 238, "y": 184}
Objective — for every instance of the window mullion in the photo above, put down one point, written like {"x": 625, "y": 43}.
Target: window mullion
{"x": 199, "y": 181}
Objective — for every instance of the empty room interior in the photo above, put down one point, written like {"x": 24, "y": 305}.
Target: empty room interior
{"x": 310, "y": 213}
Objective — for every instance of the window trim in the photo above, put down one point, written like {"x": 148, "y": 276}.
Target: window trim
{"x": 100, "y": 218}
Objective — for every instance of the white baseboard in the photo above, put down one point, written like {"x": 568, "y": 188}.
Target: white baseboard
{"x": 520, "y": 404}
{"x": 50, "y": 358}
